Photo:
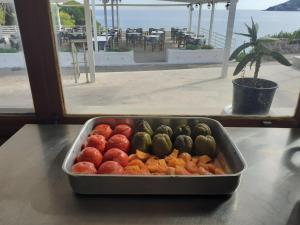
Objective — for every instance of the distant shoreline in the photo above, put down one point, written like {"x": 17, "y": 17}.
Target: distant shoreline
{"x": 271, "y": 10}
{"x": 289, "y": 6}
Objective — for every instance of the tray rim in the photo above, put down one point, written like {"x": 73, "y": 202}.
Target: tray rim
{"x": 82, "y": 130}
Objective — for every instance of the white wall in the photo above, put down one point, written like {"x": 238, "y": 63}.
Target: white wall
{"x": 65, "y": 59}
{"x": 114, "y": 58}
{"x": 101, "y": 58}
{"x": 296, "y": 61}
{"x": 174, "y": 56}
{"x": 16, "y": 60}
{"x": 205, "y": 56}
{"x": 12, "y": 60}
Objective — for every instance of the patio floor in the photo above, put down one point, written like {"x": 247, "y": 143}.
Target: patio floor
{"x": 153, "y": 89}
{"x": 180, "y": 90}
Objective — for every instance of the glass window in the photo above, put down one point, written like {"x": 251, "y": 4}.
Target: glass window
{"x": 15, "y": 93}
{"x": 170, "y": 57}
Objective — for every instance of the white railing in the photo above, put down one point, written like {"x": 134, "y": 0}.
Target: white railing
{"x": 6, "y": 31}
{"x": 217, "y": 40}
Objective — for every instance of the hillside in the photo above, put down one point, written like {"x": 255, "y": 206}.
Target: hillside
{"x": 292, "y": 5}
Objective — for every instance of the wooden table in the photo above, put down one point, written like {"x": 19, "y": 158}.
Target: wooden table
{"x": 35, "y": 191}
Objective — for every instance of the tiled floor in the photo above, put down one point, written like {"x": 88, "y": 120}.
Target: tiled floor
{"x": 181, "y": 90}
{"x": 153, "y": 89}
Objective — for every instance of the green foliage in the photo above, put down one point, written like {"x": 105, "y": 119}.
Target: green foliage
{"x": 195, "y": 47}
{"x": 120, "y": 49}
{"x": 66, "y": 20}
{"x": 76, "y": 12}
{"x": 8, "y": 50}
{"x": 2, "y": 16}
{"x": 290, "y": 36}
{"x": 282, "y": 34}
{"x": 7, "y": 14}
{"x": 240, "y": 56}
{"x": 257, "y": 51}
{"x": 192, "y": 47}
{"x": 207, "y": 47}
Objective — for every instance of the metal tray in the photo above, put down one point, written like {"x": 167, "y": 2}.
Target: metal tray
{"x": 153, "y": 184}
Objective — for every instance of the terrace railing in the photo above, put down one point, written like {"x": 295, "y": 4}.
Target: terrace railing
{"x": 218, "y": 40}
{"x": 6, "y": 31}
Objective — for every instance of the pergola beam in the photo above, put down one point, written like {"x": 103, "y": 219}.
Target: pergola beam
{"x": 118, "y": 18}
{"x": 229, "y": 34}
{"x": 190, "y": 18}
{"x": 137, "y": 5}
{"x": 94, "y": 25}
{"x": 112, "y": 15}
{"x": 88, "y": 27}
{"x": 199, "y": 20}
{"x": 196, "y": 1}
{"x": 105, "y": 20}
{"x": 212, "y": 16}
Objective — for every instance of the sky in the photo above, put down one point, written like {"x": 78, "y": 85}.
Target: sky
{"x": 242, "y": 4}
{"x": 259, "y": 4}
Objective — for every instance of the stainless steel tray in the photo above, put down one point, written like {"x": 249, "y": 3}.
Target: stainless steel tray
{"x": 153, "y": 184}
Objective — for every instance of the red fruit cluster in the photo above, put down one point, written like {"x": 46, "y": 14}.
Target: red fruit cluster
{"x": 105, "y": 151}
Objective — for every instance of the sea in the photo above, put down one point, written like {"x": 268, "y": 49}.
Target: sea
{"x": 270, "y": 22}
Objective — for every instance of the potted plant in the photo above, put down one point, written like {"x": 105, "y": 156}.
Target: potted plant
{"x": 254, "y": 95}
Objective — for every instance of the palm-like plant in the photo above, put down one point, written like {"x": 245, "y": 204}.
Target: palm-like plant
{"x": 258, "y": 50}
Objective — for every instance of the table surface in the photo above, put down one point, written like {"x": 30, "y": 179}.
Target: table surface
{"x": 134, "y": 33}
{"x": 157, "y": 32}
{"x": 102, "y": 38}
{"x": 152, "y": 36}
{"x": 34, "y": 190}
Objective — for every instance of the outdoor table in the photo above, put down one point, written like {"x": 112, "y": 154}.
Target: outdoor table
{"x": 114, "y": 33}
{"x": 34, "y": 190}
{"x": 76, "y": 35}
{"x": 134, "y": 33}
{"x": 133, "y": 37}
{"x": 101, "y": 40}
{"x": 152, "y": 36}
{"x": 153, "y": 39}
{"x": 188, "y": 33}
{"x": 157, "y": 32}
{"x": 200, "y": 40}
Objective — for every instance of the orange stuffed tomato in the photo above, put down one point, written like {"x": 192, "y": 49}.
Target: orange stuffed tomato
{"x": 123, "y": 129}
{"x": 110, "y": 167}
{"x": 119, "y": 141}
{"x": 117, "y": 155}
{"x": 90, "y": 154}
{"x": 104, "y": 130}
{"x": 84, "y": 168}
{"x": 97, "y": 141}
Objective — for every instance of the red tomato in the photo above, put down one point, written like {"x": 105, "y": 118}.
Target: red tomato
{"x": 117, "y": 155}
{"x": 110, "y": 167}
{"x": 123, "y": 129}
{"x": 118, "y": 141}
{"x": 90, "y": 154}
{"x": 104, "y": 130}
{"x": 96, "y": 141}
{"x": 84, "y": 168}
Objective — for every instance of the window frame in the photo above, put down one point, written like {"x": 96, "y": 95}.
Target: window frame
{"x": 41, "y": 58}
